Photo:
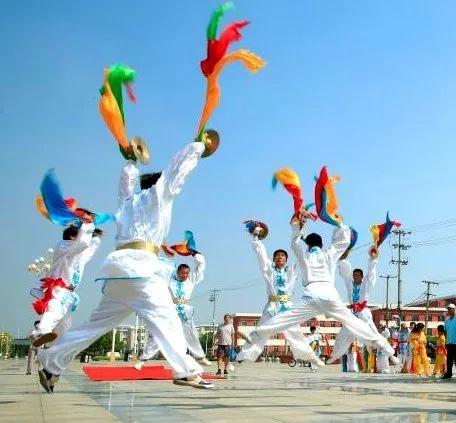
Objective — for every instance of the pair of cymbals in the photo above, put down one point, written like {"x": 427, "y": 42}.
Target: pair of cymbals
{"x": 140, "y": 150}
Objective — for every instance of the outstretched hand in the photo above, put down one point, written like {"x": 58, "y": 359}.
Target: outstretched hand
{"x": 373, "y": 252}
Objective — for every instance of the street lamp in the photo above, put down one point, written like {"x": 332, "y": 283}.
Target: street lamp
{"x": 41, "y": 265}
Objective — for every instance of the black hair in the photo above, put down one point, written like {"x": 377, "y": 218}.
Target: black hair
{"x": 313, "y": 240}
{"x": 38, "y": 321}
{"x": 183, "y": 266}
{"x": 280, "y": 251}
{"x": 313, "y": 328}
{"x": 70, "y": 232}
{"x": 418, "y": 327}
{"x": 149, "y": 179}
{"x": 441, "y": 328}
{"x": 227, "y": 315}
{"x": 358, "y": 271}
{"x": 96, "y": 232}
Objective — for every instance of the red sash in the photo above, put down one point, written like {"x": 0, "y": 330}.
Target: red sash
{"x": 47, "y": 285}
{"x": 358, "y": 307}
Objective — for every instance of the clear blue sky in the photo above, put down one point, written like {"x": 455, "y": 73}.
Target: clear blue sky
{"x": 366, "y": 87}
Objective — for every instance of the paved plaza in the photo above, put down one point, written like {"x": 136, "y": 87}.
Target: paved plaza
{"x": 255, "y": 392}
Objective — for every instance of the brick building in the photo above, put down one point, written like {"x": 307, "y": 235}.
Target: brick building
{"x": 412, "y": 314}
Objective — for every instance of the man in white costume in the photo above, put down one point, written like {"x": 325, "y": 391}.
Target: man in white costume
{"x": 280, "y": 280}
{"x": 68, "y": 262}
{"x": 358, "y": 289}
{"x": 136, "y": 279}
{"x": 318, "y": 268}
{"x": 181, "y": 286}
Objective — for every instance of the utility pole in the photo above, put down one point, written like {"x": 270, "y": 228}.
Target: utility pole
{"x": 213, "y": 298}
{"x": 400, "y": 246}
{"x": 428, "y": 295}
{"x": 387, "y": 277}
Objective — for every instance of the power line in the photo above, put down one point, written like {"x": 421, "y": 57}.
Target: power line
{"x": 428, "y": 295}
{"x": 400, "y": 247}
{"x": 387, "y": 277}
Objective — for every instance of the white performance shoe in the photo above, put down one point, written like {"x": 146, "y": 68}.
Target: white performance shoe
{"x": 139, "y": 365}
{"x": 317, "y": 362}
{"x": 204, "y": 361}
{"x": 231, "y": 367}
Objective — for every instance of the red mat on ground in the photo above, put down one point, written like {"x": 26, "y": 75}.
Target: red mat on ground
{"x": 113, "y": 373}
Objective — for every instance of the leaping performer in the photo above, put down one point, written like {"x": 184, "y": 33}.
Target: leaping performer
{"x": 280, "y": 279}
{"x": 58, "y": 297}
{"x": 135, "y": 279}
{"x": 318, "y": 268}
{"x": 181, "y": 286}
{"x": 359, "y": 287}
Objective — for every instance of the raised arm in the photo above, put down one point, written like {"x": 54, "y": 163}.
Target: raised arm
{"x": 371, "y": 277}
{"x": 296, "y": 245}
{"x": 77, "y": 246}
{"x": 345, "y": 271}
{"x": 182, "y": 164}
{"x": 129, "y": 177}
{"x": 262, "y": 254}
{"x": 340, "y": 242}
{"x": 197, "y": 275}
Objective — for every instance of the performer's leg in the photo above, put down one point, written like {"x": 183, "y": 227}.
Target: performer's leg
{"x": 155, "y": 306}
{"x": 296, "y": 315}
{"x": 192, "y": 338}
{"x": 31, "y": 356}
{"x": 299, "y": 345}
{"x": 110, "y": 312}
{"x": 357, "y": 327}
{"x": 151, "y": 348}
{"x": 342, "y": 343}
{"x": 251, "y": 351}
{"x": 51, "y": 317}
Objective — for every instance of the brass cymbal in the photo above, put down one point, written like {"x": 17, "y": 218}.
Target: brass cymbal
{"x": 140, "y": 150}
{"x": 211, "y": 140}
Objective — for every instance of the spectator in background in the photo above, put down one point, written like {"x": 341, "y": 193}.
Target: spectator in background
{"x": 440, "y": 352}
{"x": 31, "y": 352}
{"x": 450, "y": 329}
{"x": 225, "y": 339}
{"x": 420, "y": 360}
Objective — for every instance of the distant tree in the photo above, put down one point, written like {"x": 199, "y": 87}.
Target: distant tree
{"x": 203, "y": 337}
{"x": 103, "y": 345}
{"x": 6, "y": 344}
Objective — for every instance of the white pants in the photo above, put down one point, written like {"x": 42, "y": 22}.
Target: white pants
{"x": 352, "y": 362}
{"x": 310, "y": 307}
{"x": 404, "y": 359}
{"x": 57, "y": 317}
{"x": 299, "y": 343}
{"x": 152, "y": 301}
{"x": 345, "y": 338}
{"x": 191, "y": 337}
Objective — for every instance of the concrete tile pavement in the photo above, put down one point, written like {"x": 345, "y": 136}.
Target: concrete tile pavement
{"x": 255, "y": 392}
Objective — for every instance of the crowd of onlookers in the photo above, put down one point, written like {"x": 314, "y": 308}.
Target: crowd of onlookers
{"x": 414, "y": 350}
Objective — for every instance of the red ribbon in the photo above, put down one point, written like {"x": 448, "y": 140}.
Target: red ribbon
{"x": 47, "y": 285}
{"x": 358, "y": 307}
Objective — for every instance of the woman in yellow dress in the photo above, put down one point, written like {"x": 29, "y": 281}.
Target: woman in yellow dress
{"x": 440, "y": 352}
{"x": 420, "y": 360}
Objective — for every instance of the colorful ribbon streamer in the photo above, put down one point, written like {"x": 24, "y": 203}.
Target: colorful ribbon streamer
{"x": 111, "y": 102}
{"x": 291, "y": 183}
{"x": 326, "y": 198}
{"x": 185, "y": 248}
{"x": 381, "y": 231}
{"x": 217, "y": 59}
{"x": 59, "y": 211}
